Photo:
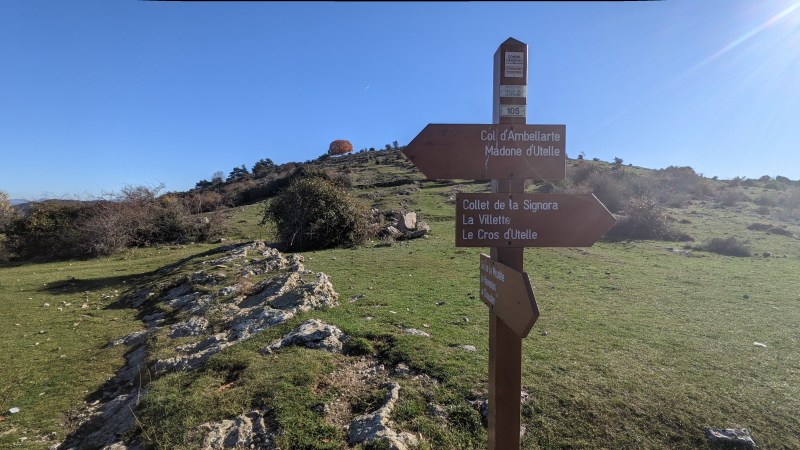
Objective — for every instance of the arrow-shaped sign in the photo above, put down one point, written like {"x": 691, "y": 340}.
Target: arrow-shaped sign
{"x": 483, "y": 152}
{"x": 530, "y": 220}
{"x": 509, "y": 293}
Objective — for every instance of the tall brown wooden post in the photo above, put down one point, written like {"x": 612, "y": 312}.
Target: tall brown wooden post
{"x": 505, "y": 347}
{"x": 509, "y": 152}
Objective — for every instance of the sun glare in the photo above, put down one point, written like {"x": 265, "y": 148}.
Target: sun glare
{"x": 788, "y": 18}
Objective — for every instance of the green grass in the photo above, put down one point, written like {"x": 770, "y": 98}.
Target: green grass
{"x": 644, "y": 347}
{"x": 53, "y": 356}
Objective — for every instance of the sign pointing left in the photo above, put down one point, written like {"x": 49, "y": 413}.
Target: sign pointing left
{"x": 483, "y": 152}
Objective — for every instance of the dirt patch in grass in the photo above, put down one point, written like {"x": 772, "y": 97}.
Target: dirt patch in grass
{"x": 350, "y": 383}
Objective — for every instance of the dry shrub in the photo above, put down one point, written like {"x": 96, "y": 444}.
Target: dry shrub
{"x": 204, "y": 201}
{"x": 780, "y": 231}
{"x": 772, "y": 229}
{"x": 7, "y": 213}
{"x": 730, "y": 197}
{"x": 790, "y": 204}
{"x": 611, "y": 189}
{"x": 759, "y": 226}
{"x": 763, "y": 210}
{"x": 729, "y": 246}
{"x": 684, "y": 180}
{"x": 790, "y": 199}
{"x": 643, "y": 218}
{"x": 59, "y": 230}
{"x": 766, "y": 200}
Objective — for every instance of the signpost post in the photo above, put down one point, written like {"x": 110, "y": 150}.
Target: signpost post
{"x": 508, "y": 152}
{"x": 505, "y": 346}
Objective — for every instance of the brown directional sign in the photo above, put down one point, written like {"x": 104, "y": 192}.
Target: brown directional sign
{"x": 509, "y": 293}
{"x": 530, "y": 220}
{"x": 483, "y": 152}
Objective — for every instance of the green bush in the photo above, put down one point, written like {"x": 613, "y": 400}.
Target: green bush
{"x": 465, "y": 419}
{"x": 357, "y": 346}
{"x": 48, "y": 231}
{"x": 643, "y": 218}
{"x": 729, "y": 246}
{"x": 314, "y": 213}
{"x": 5, "y": 254}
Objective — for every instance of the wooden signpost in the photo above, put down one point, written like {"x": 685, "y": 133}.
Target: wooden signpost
{"x": 508, "y": 152}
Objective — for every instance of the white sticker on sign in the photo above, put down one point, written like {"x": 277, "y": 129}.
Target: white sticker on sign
{"x": 514, "y": 64}
{"x": 512, "y": 110}
{"x": 513, "y": 91}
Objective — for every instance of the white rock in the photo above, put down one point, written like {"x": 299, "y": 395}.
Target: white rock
{"x": 416, "y": 332}
{"x": 408, "y": 222}
{"x": 13, "y": 410}
{"x": 312, "y": 334}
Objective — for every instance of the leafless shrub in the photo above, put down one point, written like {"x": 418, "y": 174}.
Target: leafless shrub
{"x": 136, "y": 217}
{"x": 763, "y": 210}
{"x": 790, "y": 200}
{"x": 204, "y": 201}
{"x": 730, "y": 197}
{"x": 643, "y": 218}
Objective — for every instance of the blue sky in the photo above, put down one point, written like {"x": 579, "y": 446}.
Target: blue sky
{"x": 97, "y": 94}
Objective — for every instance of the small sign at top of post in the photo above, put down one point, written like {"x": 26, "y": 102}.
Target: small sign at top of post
{"x": 515, "y": 65}
{"x": 511, "y": 82}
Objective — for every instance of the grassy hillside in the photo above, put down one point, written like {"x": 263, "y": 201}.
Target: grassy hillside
{"x": 640, "y": 344}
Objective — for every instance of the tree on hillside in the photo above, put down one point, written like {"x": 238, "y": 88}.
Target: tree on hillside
{"x": 217, "y": 177}
{"x": 340, "y": 147}
{"x": 6, "y": 212}
{"x": 263, "y": 168}
{"x": 238, "y": 172}
{"x": 202, "y": 184}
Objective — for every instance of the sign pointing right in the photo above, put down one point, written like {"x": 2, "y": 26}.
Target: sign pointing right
{"x": 510, "y": 294}
{"x": 530, "y": 220}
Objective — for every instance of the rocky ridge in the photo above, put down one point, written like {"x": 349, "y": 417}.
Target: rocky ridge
{"x": 202, "y": 307}
{"x": 211, "y": 315}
